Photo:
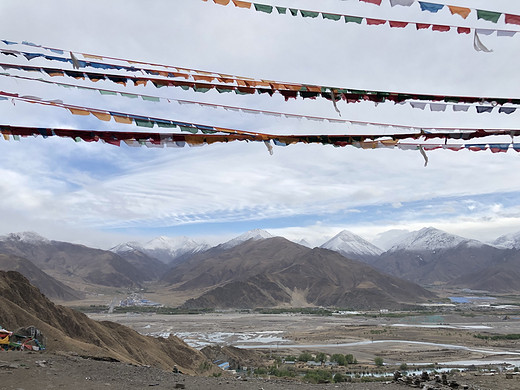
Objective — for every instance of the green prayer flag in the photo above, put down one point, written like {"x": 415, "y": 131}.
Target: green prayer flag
{"x": 263, "y": 8}
{"x": 488, "y": 15}
{"x": 189, "y": 129}
{"x": 166, "y": 125}
{"x": 222, "y": 90}
{"x": 208, "y": 131}
{"x": 151, "y": 98}
{"x": 309, "y": 14}
{"x": 143, "y": 122}
{"x": 129, "y": 95}
{"x": 201, "y": 89}
{"x": 238, "y": 92}
{"x": 102, "y": 92}
{"x": 294, "y": 12}
{"x": 330, "y": 16}
{"x": 77, "y": 139}
{"x": 353, "y": 19}
{"x": 281, "y": 10}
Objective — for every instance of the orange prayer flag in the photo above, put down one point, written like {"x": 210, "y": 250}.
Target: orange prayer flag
{"x": 221, "y": 2}
{"x": 209, "y": 79}
{"x": 122, "y": 119}
{"x": 462, "y": 11}
{"x": 93, "y": 57}
{"x": 293, "y": 87}
{"x": 140, "y": 82}
{"x": 104, "y": 116}
{"x": 242, "y": 4}
{"x": 183, "y": 75}
{"x": 313, "y": 88}
{"x": 226, "y": 80}
{"x": 78, "y": 111}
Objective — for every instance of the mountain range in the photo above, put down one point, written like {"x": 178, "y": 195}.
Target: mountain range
{"x": 274, "y": 271}
{"x": 257, "y": 269}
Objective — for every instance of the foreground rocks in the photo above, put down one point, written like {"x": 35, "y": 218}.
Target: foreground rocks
{"x": 31, "y": 370}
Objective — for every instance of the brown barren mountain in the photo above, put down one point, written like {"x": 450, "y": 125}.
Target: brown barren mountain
{"x": 51, "y": 287}
{"x": 67, "y": 330}
{"x": 73, "y": 263}
{"x": 275, "y": 271}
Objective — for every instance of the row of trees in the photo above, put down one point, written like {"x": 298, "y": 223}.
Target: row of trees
{"x": 339, "y": 358}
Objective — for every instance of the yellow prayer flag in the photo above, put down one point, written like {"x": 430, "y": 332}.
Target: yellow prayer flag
{"x": 104, "y": 116}
{"x": 462, "y": 11}
{"x": 78, "y": 111}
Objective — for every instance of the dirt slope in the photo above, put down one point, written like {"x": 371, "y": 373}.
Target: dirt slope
{"x": 51, "y": 287}
{"x": 21, "y": 304}
{"x": 274, "y": 271}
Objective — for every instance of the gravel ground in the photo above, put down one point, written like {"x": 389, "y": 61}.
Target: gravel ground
{"x": 29, "y": 370}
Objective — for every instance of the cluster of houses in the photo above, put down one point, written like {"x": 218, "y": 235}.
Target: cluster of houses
{"x": 138, "y": 300}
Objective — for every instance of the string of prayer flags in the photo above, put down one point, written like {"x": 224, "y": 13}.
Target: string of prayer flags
{"x": 150, "y": 139}
{"x": 431, "y": 7}
{"x": 464, "y": 12}
{"x": 150, "y": 122}
{"x": 252, "y": 86}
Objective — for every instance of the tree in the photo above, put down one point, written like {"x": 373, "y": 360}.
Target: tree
{"x": 378, "y": 361}
{"x": 339, "y": 378}
{"x": 305, "y": 357}
{"x": 350, "y": 359}
{"x": 339, "y": 358}
{"x": 291, "y": 358}
{"x": 321, "y": 357}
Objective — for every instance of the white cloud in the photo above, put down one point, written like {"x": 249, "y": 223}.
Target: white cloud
{"x": 84, "y": 186}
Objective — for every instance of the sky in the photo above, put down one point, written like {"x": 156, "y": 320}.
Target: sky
{"x": 101, "y": 195}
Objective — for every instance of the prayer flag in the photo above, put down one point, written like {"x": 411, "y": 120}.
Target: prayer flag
{"x": 376, "y": 2}
{"x": 488, "y": 15}
{"x": 513, "y": 19}
{"x": 431, "y": 7}
{"x": 263, "y": 8}
{"x": 406, "y": 3}
{"x": 462, "y": 11}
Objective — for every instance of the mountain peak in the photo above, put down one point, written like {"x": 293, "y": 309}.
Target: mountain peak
{"x": 508, "y": 241}
{"x": 350, "y": 244}
{"x": 28, "y": 237}
{"x": 164, "y": 248}
{"x": 430, "y": 238}
{"x": 255, "y": 234}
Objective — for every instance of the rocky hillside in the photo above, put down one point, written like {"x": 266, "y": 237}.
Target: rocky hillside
{"x": 71, "y": 262}
{"x": 275, "y": 271}
{"x": 51, "y": 287}
{"x": 21, "y": 305}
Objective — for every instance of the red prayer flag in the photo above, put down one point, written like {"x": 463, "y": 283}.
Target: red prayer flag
{"x": 422, "y": 26}
{"x": 398, "y": 24}
{"x": 376, "y": 2}
{"x": 513, "y": 19}
{"x": 437, "y": 27}
{"x": 463, "y": 30}
{"x": 375, "y": 21}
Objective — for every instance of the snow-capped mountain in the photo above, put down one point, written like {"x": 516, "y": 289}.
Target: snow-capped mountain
{"x": 163, "y": 248}
{"x": 388, "y": 239}
{"x": 304, "y": 242}
{"x": 255, "y": 234}
{"x": 29, "y": 237}
{"x": 508, "y": 241}
{"x": 351, "y": 245}
{"x": 431, "y": 239}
